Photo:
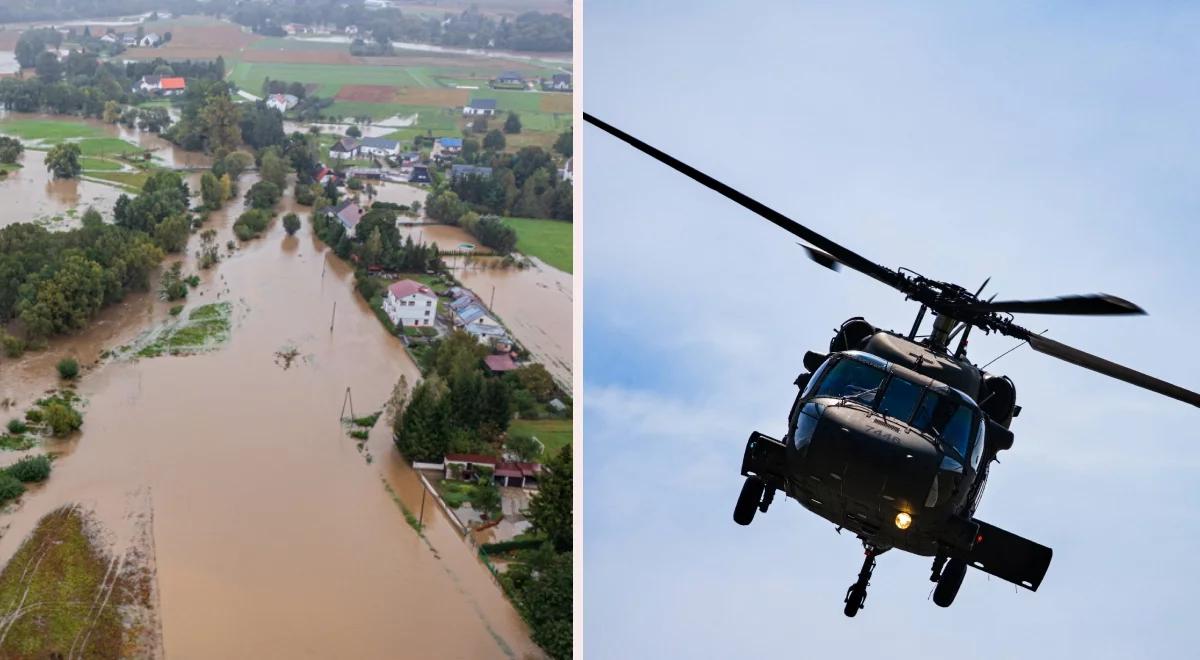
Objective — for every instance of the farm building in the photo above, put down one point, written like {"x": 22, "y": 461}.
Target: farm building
{"x": 499, "y": 363}
{"x": 420, "y": 174}
{"x": 480, "y": 107}
{"x": 373, "y": 146}
{"x": 560, "y": 82}
{"x": 110, "y": 38}
{"x": 282, "y": 102}
{"x": 517, "y": 475}
{"x": 488, "y": 334}
{"x": 162, "y": 85}
{"x": 409, "y": 303}
{"x": 150, "y": 40}
{"x": 345, "y": 148}
{"x": 446, "y": 147}
{"x": 509, "y": 79}
{"x": 372, "y": 173}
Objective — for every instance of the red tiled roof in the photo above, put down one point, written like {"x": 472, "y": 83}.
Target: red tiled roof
{"x": 405, "y": 288}
{"x": 499, "y": 363}
{"x": 518, "y": 469}
{"x": 173, "y": 83}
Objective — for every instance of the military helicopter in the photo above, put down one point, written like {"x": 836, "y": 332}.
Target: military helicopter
{"x": 892, "y": 436}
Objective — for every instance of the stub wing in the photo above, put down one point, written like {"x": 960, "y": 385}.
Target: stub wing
{"x": 1008, "y": 556}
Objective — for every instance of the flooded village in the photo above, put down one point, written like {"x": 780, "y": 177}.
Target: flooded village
{"x": 229, "y": 480}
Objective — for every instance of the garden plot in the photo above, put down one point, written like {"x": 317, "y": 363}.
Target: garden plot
{"x": 203, "y": 329}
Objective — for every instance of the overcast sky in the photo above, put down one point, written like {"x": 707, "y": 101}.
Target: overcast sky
{"x": 1055, "y": 150}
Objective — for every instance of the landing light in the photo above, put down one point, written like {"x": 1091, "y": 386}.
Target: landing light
{"x": 903, "y": 520}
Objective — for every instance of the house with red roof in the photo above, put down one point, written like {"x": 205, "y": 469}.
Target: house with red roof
{"x": 409, "y": 303}
{"x": 499, "y": 363}
{"x": 161, "y": 85}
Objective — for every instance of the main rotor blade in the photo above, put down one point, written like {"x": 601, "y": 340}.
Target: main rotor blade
{"x": 1120, "y": 372}
{"x": 1096, "y": 304}
{"x": 839, "y": 253}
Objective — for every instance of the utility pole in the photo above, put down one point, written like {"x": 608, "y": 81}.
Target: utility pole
{"x": 345, "y": 399}
{"x": 492, "y": 303}
{"x": 332, "y": 317}
{"x": 421, "y": 518}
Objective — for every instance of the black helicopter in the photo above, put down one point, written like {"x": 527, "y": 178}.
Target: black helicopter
{"x": 892, "y": 436}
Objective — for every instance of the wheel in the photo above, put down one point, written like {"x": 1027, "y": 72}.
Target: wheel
{"x": 949, "y": 582}
{"x": 747, "y": 504}
{"x": 855, "y": 599}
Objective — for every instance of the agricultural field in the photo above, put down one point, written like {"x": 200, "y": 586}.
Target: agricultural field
{"x": 548, "y": 240}
{"x": 93, "y": 141}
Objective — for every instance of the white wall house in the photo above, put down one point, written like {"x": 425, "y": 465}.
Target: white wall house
{"x": 379, "y": 147}
{"x": 485, "y": 107}
{"x": 409, "y": 303}
{"x": 282, "y": 102}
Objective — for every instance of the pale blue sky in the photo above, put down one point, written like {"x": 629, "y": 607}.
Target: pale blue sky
{"x": 1055, "y": 150}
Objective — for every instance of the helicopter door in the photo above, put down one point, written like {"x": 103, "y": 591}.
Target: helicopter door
{"x": 1008, "y": 556}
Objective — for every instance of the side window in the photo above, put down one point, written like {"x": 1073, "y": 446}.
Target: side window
{"x": 805, "y": 424}
{"x": 977, "y": 449}
{"x": 816, "y": 378}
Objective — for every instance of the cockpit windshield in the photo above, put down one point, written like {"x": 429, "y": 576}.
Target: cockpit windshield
{"x": 940, "y": 414}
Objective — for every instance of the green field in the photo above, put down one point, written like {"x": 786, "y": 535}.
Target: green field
{"x": 548, "y": 240}
{"x": 93, "y": 141}
{"x": 554, "y": 434}
{"x": 99, "y": 165}
{"x": 250, "y": 75}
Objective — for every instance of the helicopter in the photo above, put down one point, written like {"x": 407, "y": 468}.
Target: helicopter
{"x": 892, "y": 436}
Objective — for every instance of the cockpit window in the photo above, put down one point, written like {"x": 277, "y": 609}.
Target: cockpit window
{"x": 851, "y": 378}
{"x": 939, "y": 413}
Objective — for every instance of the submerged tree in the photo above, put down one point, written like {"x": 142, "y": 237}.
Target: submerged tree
{"x": 63, "y": 161}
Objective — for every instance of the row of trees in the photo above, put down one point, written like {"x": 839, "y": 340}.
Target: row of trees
{"x": 525, "y": 184}
{"x": 55, "y": 282}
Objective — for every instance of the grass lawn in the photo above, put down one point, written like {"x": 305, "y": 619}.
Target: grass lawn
{"x": 548, "y": 240}
{"x": 99, "y": 164}
{"x": 250, "y": 75}
{"x": 50, "y": 130}
{"x": 286, "y": 43}
{"x": 553, "y": 433}
{"x": 132, "y": 180}
{"x": 69, "y": 575}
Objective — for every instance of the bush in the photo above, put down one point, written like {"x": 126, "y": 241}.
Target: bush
{"x": 176, "y": 310}
{"x": 251, "y": 224}
{"x": 10, "y": 487}
{"x": 14, "y": 347}
{"x": 354, "y": 183}
{"x": 17, "y": 427}
{"x": 30, "y": 469}
{"x": 68, "y": 368}
{"x": 62, "y": 418}
{"x": 263, "y": 195}
{"x": 34, "y": 416}
{"x": 291, "y": 223}
{"x": 359, "y": 435}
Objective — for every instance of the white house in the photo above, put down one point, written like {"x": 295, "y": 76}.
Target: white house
{"x": 150, "y": 40}
{"x": 409, "y": 303}
{"x": 374, "y": 146}
{"x": 282, "y": 102}
{"x": 567, "y": 173}
{"x": 110, "y": 38}
{"x": 345, "y": 148}
{"x": 480, "y": 107}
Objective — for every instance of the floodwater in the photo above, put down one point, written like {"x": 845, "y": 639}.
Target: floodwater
{"x": 30, "y": 193}
{"x": 273, "y": 534}
{"x": 534, "y": 303}
{"x": 400, "y": 193}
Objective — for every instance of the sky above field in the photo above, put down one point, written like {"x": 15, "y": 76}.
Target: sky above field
{"x": 1052, "y": 149}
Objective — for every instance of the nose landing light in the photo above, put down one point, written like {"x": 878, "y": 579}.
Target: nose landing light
{"x": 903, "y": 520}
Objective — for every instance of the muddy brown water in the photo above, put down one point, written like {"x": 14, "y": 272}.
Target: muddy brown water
{"x": 273, "y": 535}
{"x": 535, "y": 303}
{"x": 30, "y": 193}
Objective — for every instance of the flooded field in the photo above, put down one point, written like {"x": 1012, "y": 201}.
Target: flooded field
{"x": 30, "y": 193}
{"x": 535, "y": 303}
{"x": 274, "y": 536}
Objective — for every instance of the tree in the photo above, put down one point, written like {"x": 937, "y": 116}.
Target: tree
{"x": 112, "y": 112}
{"x": 63, "y": 160}
{"x": 172, "y": 287}
{"x": 512, "y": 125}
{"x": 354, "y": 132}
{"x": 220, "y": 118}
{"x": 373, "y": 248}
{"x": 535, "y": 378}
{"x": 172, "y": 233}
{"x": 550, "y": 508}
{"x": 235, "y": 164}
{"x": 210, "y": 191}
{"x": 274, "y": 168}
{"x": 487, "y": 496}
{"x": 49, "y": 69}
{"x": 61, "y": 418}
{"x": 263, "y": 195}
{"x": 10, "y": 149}
{"x": 291, "y": 223}
{"x": 565, "y": 144}
{"x": 494, "y": 141}
{"x": 524, "y": 447}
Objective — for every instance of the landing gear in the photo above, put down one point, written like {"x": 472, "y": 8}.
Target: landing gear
{"x": 856, "y": 595}
{"x": 948, "y": 582}
{"x": 749, "y": 501}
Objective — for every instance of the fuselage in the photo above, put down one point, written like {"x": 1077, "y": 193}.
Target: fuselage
{"x": 889, "y": 453}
